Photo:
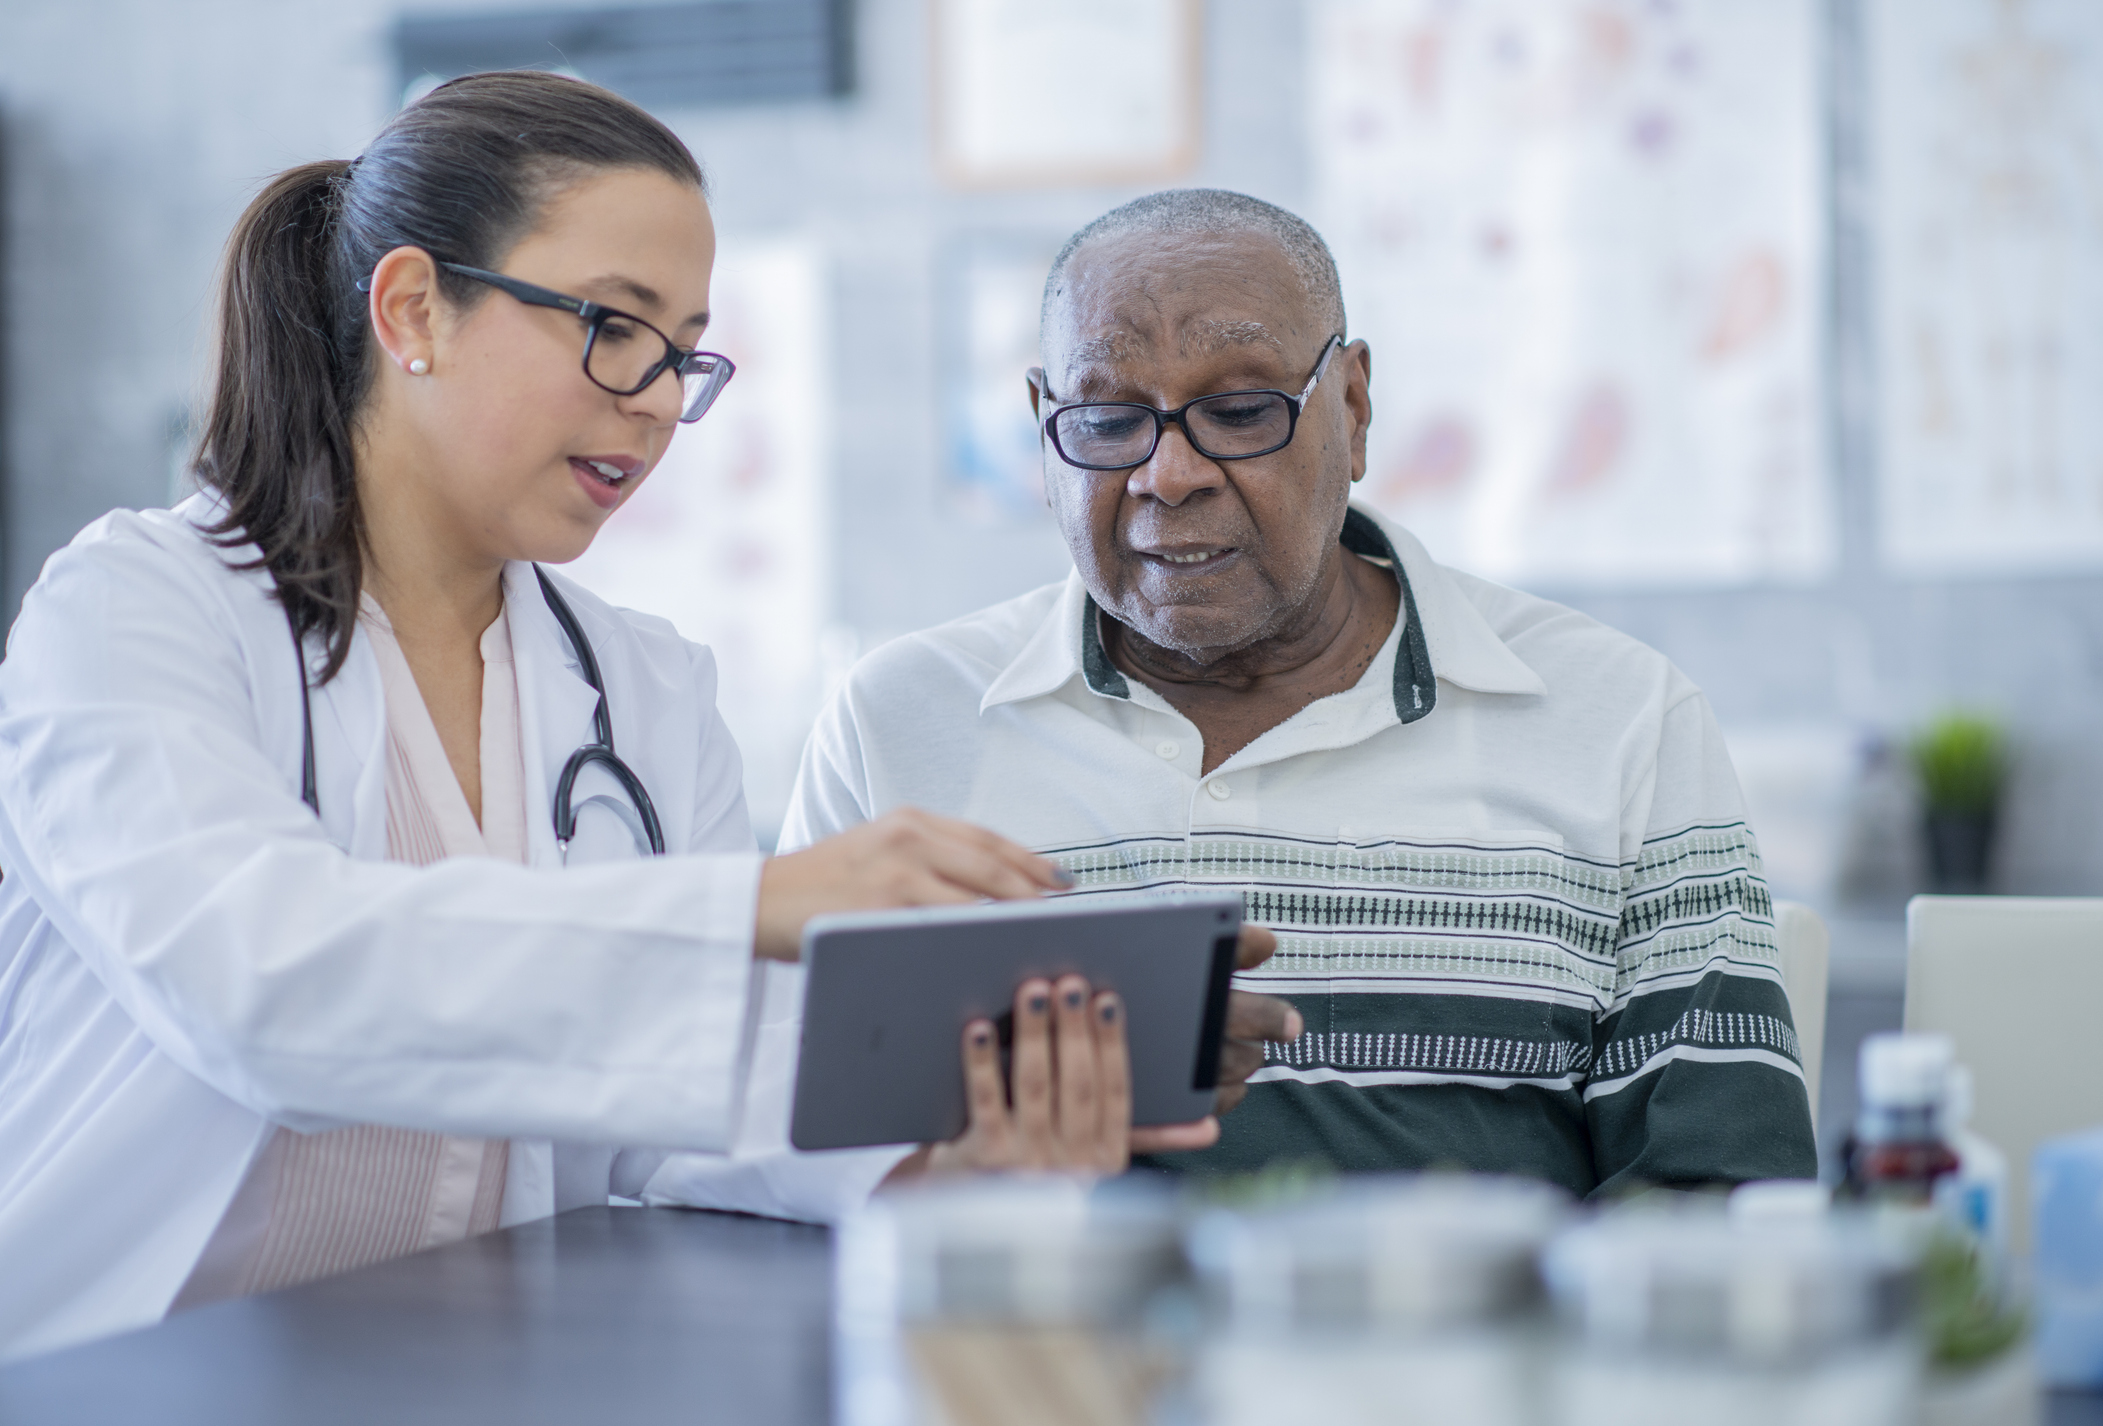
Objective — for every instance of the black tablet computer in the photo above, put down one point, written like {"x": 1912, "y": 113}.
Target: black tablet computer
{"x": 887, "y": 994}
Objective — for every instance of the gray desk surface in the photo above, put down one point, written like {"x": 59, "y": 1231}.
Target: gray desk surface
{"x": 600, "y": 1315}
{"x": 604, "y": 1314}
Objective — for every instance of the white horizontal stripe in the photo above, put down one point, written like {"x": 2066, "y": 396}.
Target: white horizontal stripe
{"x": 1698, "y": 1054}
{"x": 1419, "y": 984}
{"x": 1466, "y": 940}
{"x": 1681, "y": 980}
{"x": 1364, "y": 1079}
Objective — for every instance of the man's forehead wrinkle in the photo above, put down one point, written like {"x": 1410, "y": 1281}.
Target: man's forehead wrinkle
{"x": 1109, "y": 348}
{"x": 1208, "y": 335}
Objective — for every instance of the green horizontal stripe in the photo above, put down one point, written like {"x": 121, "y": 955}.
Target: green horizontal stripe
{"x": 1718, "y": 1011}
{"x": 1439, "y": 1034}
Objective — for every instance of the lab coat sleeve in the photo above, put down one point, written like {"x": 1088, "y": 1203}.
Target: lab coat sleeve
{"x": 599, "y": 1003}
{"x": 722, "y": 822}
{"x": 761, "y": 1173}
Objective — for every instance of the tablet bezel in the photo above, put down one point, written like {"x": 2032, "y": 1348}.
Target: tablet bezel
{"x": 879, "y": 1060}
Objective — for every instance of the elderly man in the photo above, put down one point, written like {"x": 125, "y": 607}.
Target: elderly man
{"x": 1502, "y": 846}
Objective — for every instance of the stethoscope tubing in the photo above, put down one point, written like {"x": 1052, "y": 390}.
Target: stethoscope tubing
{"x": 599, "y": 751}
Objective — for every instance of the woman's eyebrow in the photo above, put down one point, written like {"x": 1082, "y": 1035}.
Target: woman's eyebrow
{"x": 643, "y": 295}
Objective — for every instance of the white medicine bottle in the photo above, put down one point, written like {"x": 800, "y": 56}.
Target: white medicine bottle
{"x": 1975, "y": 1197}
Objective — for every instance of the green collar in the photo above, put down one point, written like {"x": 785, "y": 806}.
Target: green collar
{"x": 1416, "y": 687}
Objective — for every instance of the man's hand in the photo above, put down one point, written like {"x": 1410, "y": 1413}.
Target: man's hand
{"x": 903, "y": 858}
{"x": 1251, "y": 1019}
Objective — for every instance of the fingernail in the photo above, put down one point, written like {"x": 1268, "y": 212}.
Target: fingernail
{"x": 1294, "y": 1024}
{"x": 1109, "y": 1012}
{"x": 981, "y": 1037}
{"x": 1064, "y": 878}
{"x": 1073, "y": 1000}
{"x": 1039, "y": 1003}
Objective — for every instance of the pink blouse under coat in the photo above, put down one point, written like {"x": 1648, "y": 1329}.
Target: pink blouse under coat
{"x": 317, "y": 1204}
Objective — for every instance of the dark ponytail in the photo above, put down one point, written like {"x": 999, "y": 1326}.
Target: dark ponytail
{"x": 463, "y": 174}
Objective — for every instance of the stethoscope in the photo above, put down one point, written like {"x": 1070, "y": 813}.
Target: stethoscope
{"x": 599, "y": 751}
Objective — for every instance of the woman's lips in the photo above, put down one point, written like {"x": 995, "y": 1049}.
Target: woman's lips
{"x": 605, "y": 490}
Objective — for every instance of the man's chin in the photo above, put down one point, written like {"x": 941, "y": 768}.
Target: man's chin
{"x": 1193, "y": 632}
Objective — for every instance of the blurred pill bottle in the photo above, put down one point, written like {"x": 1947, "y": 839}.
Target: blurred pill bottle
{"x": 1004, "y": 1300}
{"x": 1753, "y": 1318}
{"x": 1898, "y": 1150}
{"x": 1377, "y": 1300}
{"x": 2066, "y": 1184}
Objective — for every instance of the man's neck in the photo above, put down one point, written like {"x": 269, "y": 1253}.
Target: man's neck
{"x": 1243, "y": 693}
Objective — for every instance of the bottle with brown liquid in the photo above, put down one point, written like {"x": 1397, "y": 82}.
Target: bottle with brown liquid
{"x": 1900, "y": 1146}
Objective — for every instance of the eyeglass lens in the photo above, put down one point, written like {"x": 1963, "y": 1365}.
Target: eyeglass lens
{"x": 1113, "y": 436}
{"x": 625, "y": 356}
{"x": 703, "y": 376}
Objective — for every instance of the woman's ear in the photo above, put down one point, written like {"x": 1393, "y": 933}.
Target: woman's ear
{"x": 402, "y": 302}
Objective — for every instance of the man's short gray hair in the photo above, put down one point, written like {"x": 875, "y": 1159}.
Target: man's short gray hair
{"x": 1214, "y": 210}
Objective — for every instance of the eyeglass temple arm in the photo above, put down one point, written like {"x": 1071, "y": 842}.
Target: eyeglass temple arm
{"x": 525, "y": 292}
{"x": 1329, "y": 351}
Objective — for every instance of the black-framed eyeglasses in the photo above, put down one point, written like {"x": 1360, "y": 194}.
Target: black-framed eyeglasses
{"x": 1229, "y": 425}
{"x": 618, "y": 355}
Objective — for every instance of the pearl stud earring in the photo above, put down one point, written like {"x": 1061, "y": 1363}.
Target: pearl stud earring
{"x": 419, "y": 367}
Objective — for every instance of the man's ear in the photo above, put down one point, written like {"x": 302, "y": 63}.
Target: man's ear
{"x": 1035, "y": 377}
{"x": 1358, "y": 401}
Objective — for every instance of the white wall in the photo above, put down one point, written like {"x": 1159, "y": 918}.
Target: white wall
{"x": 134, "y": 133}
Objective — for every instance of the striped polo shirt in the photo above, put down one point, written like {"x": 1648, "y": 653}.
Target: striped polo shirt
{"x": 1516, "y": 898}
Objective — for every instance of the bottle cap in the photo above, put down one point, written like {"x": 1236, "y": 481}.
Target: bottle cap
{"x": 1901, "y": 1070}
{"x": 1768, "y": 1290}
{"x": 1779, "y": 1198}
{"x": 1405, "y": 1252}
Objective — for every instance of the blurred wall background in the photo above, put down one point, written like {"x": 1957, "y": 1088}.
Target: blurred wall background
{"x": 134, "y": 133}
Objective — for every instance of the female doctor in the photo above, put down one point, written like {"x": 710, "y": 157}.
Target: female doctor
{"x": 391, "y": 875}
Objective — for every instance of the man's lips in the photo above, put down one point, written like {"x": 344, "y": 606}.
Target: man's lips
{"x": 1188, "y": 558}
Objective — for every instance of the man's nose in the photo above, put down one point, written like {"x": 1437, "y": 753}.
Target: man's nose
{"x": 1175, "y": 471}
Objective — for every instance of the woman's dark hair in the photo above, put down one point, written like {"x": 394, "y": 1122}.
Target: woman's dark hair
{"x": 463, "y": 173}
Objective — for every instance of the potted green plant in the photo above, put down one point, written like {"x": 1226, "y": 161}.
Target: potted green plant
{"x": 1962, "y": 762}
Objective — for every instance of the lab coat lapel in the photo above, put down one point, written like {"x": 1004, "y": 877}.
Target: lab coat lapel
{"x": 555, "y": 707}
{"x": 555, "y": 704}
{"x": 350, "y": 748}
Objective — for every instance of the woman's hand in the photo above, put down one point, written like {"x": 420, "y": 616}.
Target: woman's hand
{"x": 903, "y": 858}
{"x": 1072, "y": 1092}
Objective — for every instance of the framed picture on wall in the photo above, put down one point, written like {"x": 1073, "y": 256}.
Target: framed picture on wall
{"x": 1083, "y": 92}
{"x": 991, "y": 286}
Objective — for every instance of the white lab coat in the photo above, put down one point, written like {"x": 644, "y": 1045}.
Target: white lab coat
{"x": 188, "y": 958}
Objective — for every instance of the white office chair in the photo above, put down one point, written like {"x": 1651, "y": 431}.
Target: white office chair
{"x": 1805, "y": 946}
{"x": 2017, "y": 983}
